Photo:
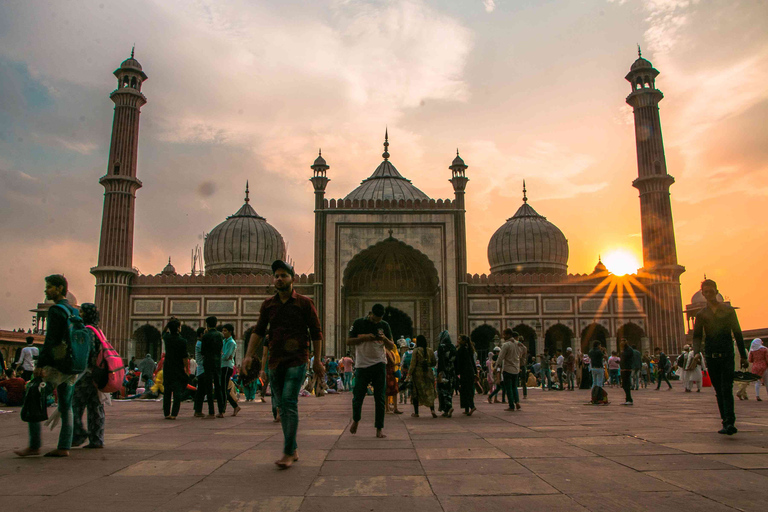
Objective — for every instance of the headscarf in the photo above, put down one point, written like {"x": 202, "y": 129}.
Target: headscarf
{"x": 757, "y": 344}
{"x": 569, "y": 349}
{"x": 89, "y": 313}
{"x": 445, "y": 338}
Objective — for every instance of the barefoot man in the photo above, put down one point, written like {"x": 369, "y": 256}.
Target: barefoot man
{"x": 291, "y": 321}
{"x": 370, "y": 335}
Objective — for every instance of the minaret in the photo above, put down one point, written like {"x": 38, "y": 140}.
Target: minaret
{"x": 665, "y": 308}
{"x": 320, "y": 181}
{"x": 115, "y": 271}
{"x": 459, "y": 181}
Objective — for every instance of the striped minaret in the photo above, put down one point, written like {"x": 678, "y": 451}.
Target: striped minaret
{"x": 115, "y": 271}
{"x": 665, "y": 308}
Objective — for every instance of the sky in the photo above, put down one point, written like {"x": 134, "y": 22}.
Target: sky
{"x": 244, "y": 90}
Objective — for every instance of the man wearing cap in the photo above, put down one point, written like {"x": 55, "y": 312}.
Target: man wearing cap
{"x": 370, "y": 336}
{"x": 291, "y": 321}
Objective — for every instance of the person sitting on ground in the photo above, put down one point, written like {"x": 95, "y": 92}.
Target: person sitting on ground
{"x": 12, "y": 389}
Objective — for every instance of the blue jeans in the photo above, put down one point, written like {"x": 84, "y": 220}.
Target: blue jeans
{"x": 64, "y": 392}
{"x": 286, "y": 384}
{"x": 546, "y": 378}
{"x": 347, "y": 380}
{"x": 510, "y": 385}
{"x": 598, "y": 377}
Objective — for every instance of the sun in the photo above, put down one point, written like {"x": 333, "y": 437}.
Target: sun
{"x": 621, "y": 262}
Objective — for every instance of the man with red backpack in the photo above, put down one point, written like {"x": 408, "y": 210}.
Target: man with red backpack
{"x": 86, "y": 395}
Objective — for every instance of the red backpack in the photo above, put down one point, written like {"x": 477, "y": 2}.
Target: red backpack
{"x": 109, "y": 371}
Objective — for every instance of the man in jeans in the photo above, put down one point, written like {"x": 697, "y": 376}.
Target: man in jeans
{"x": 509, "y": 362}
{"x": 57, "y": 333}
{"x": 370, "y": 336}
{"x": 637, "y": 366}
{"x": 715, "y": 325}
{"x": 209, "y": 383}
{"x": 596, "y": 357}
{"x": 227, "y": 369}
{"x": 291, "y": 321}
{"x": 29, "y": 356}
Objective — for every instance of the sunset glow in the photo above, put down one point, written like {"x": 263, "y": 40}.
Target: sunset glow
{"x": 621, "y": 262}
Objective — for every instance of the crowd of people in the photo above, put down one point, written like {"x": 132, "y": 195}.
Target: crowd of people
{"x": 394, "y": 373}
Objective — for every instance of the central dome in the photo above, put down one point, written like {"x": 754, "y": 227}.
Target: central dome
{"x": 243, "y": 244}
{"x": 386, "y": 183}
{"x": 528, "y": 243}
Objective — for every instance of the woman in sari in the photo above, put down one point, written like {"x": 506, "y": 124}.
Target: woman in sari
{"x": 393, "y": 368}
{"x": 422, "y": 378}
{"x": 466, "y": 372}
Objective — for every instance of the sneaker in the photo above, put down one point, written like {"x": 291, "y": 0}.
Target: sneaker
{"x": 730, "y": 430}
{"x": 627, "y": 403}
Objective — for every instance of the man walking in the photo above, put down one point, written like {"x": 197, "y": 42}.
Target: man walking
{"x": 347, "y": 365}
{"x": 291, "y": 321}
{"x": 637, "y": 366}
{"x": 370, "y": 336}
{"x": 627, "y": 358}
{"x": 509, "y": 362}
{"x": 715, "y": 325}
{"x": 662, "y": 368}
{"x": 29, "y": 355}
{"x": 210, "y": 349}
{"x": 227, "y": 369}
{"x": 56, "y": 334}
{"x": 559, "y": 365}
{"x": 596, "y": 365}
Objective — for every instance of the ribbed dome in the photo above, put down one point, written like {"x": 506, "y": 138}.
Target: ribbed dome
{"x": 386, "y": 183}
{"x": 528, "y": 243}
{"x": 641, "y": 63}
{"x": 600, "y": 268}
{"x": 169, "y": 269}
{"x": 131, "y": 63}
{"x": 243, "y": 244}
{"x": 698, "y": 299}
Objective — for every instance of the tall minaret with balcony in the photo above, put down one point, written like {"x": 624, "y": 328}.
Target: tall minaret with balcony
{"x": 459, "y": 181}
{"x": 115, "y": 271}
{"x": 319, "y": 182}
{"x": 665, "y": 308}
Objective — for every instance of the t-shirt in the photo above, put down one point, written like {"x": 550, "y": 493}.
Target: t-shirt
{"x": 596, "y": 358}
{"x": 199, "y": 358}
{"x": 333, "y": 367}
{"x": 213, "y": 342}
{"x": 28, "y": 357}
{"x": 560, "y": 360}
{"x": 613, "y": 363}
{"x": 228, "y": 353}
{"x": 369, "y": 353}
{"x": 15, "y": 388}
{"x": 347, "y": 363}
{"x": 175, "y": 353}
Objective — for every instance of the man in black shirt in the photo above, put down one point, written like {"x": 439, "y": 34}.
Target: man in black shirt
{"x": 212, "y": 343}
{"x": 718, "y": 325}
{"x": 596, "y": 365}
{"x": 627, "y": 358}
{"x": 662, "y": 361}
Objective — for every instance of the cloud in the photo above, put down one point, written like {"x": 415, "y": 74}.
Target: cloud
{"x": 490, "y": 5}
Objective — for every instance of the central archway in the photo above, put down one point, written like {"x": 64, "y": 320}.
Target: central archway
{"x": 401, "y": 278}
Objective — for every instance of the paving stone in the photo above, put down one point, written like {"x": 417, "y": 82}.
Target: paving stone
{"x": 714, "y": 448}
{"x": 741, "y": 460}
{"x": 372, "y": 455}
{"x": 268, "y": 457}
{"x": 372, "y": 468}
{"x": 370, "y": 486}
{"x": 681, "y": 462}
{"x": 163, "y": 468}
{"x": 377, "y": 504}
{"x": 207, "y": 503}
{"x": 473, "y": 467}
{"x": 506, "y": 503}
{"x": 473, "y": 485}
{"x": 460, "y": 453}
{"x": 538, "y": 447}
{"x": 645, "y": 501}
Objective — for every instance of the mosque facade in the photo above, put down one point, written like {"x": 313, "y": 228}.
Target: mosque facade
{"x": 388, "y": 242}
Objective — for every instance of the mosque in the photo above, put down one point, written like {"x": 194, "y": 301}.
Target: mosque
{"x": 387, "y": 241}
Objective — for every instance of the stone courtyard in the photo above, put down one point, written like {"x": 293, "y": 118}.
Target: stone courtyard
{"x": 554, "y": 454}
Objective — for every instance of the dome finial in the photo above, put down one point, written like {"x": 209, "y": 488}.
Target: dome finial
{"x": 386, "y": 144}
{"x": 639, "y": 53}
{"x": 320, "y": 152}
{"x": 247, "y": 199}
{"x": 525, "y": 193}
{"x": 169, "y": 260}
{"x": 132, "y": 49}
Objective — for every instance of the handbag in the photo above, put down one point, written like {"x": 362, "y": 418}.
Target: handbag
{"x": 35, "y": 407}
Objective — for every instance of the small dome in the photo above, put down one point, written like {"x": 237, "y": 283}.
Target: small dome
{"x": 386, "y": 183}
{"x": 699, "y": 300}
{"x": 458, "y": 160}
{"x": 600, "y": 268}
{"x": 641, "y": 63}
{"x": 243, "y": 244}
{"x": 319, "y": 161}
{"x": 131, "y": 63}
{"x": 528, "y": 243}
{"x": 169, "y": 269}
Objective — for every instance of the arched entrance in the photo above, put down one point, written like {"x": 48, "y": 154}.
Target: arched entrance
{"x": 633, "y": 332}
{"x": 483, "y": 337}
{"x": 401, "y": 278}
{"x": 400, "y": 323}
{"x": 592, "y": 332}
{"x": 557, "y": 337}
{"x": 148, "y": 340}
{"x": 529, "y": 338}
